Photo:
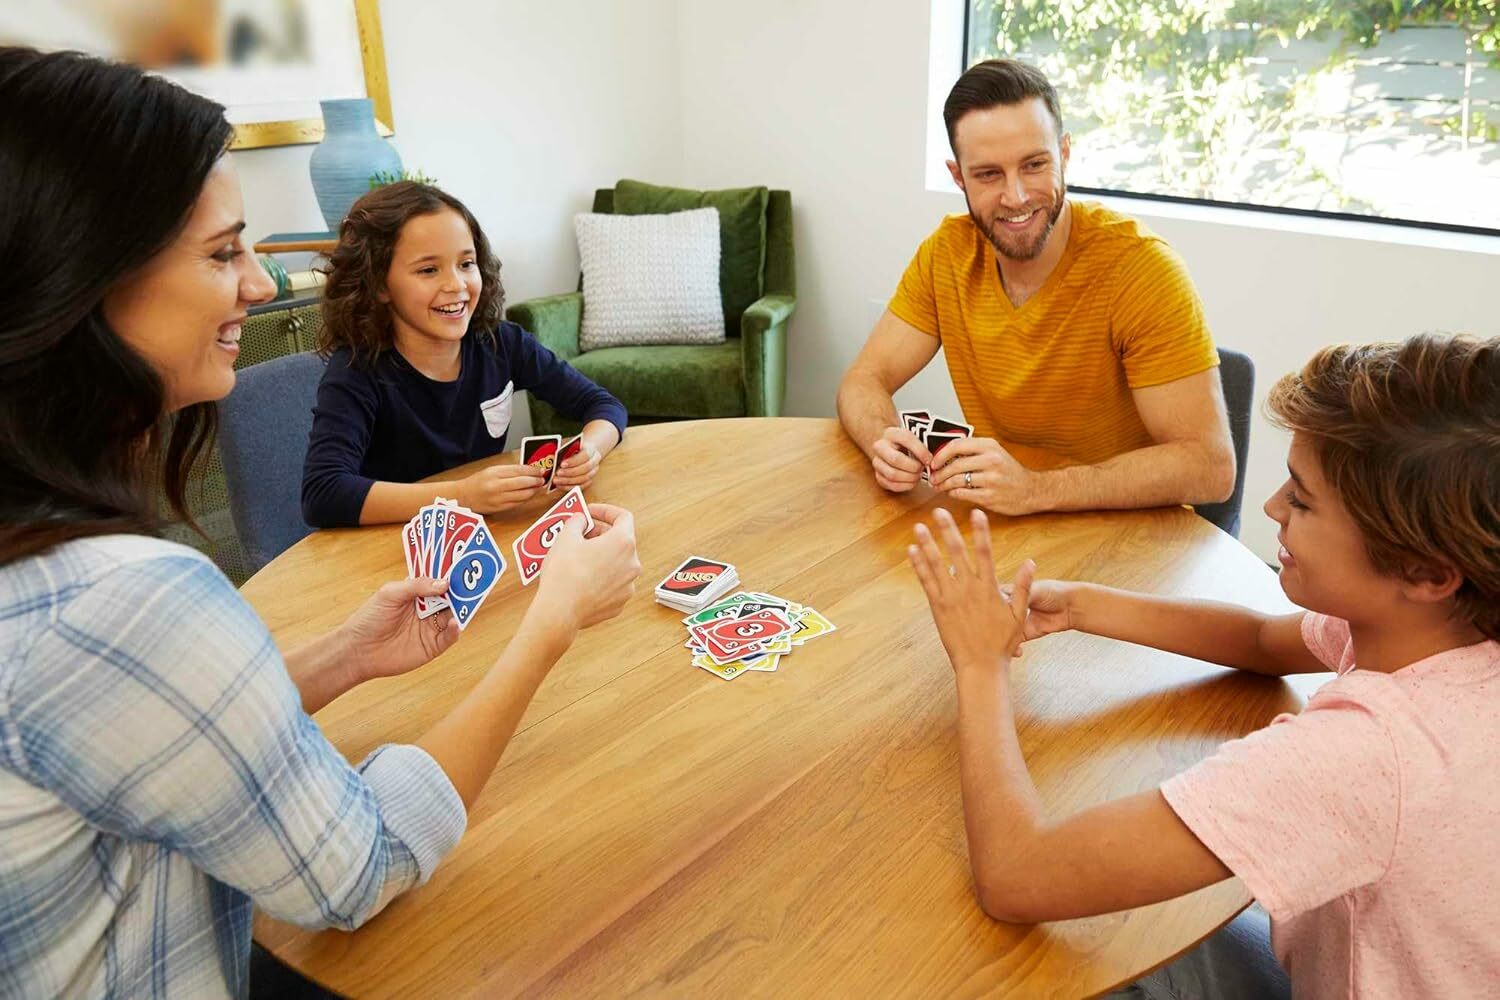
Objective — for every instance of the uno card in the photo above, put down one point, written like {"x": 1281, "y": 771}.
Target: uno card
{"x": 767, "y": 662}
{"x": 411, "y": 547}
{"x": 541, "y": 452}
{"x": 532, "y": 546}
{"x": 569, "y": 448}
{"x": 693, "y": 577}
{"x": 810, "y": 625}
{"x": 943, "y": 426}
{"x": 477, "y": 567}
{"x": 912, "y": 419}
{"x": 935, "y": 443}
{"x": 728, "y": 607}
{"x": 730, "y": 638}
{"x": 434, "y": 545}
{"x": 728, "y": 671}
{"x": 459, "y": 525}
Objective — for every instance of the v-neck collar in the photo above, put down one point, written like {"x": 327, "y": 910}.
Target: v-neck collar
{"x": 1064, "y": 264}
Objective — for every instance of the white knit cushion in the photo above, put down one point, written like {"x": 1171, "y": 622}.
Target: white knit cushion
{"x": 650, "y": 279}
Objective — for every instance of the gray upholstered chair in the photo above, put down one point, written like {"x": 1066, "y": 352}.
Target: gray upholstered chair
{"x": 1237, "y": 372}
{"x": 263, "y": 429}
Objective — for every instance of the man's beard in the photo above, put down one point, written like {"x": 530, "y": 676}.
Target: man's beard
{"x": 1021, "y": 248}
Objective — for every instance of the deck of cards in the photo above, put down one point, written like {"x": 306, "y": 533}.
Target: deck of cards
{"x": 452, "y": 543}
{"x": 750, "y": 631}
{"x": 935, "y": 433}
{"x": 697, "y": 583}
{"x": 548, "y": 452}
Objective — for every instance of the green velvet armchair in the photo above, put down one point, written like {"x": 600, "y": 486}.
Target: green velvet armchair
{"x": 744, "y": 376}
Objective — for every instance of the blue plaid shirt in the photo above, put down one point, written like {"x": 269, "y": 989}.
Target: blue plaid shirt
{"x": 158, "y": 775}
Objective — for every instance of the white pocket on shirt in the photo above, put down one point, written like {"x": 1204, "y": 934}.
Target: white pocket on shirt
{"x": 496, "y": 412}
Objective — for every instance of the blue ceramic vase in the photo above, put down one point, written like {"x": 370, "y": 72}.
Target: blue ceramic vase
{"x": 350, "y": 154}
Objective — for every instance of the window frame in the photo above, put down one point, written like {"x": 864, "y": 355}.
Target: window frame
{"x": 1492, "y": 233}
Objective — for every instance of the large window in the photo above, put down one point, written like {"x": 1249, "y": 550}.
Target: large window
{"x": 1388, "y": 109}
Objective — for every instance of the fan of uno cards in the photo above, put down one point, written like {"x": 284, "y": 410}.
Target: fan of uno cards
{"x": 450, "y": 542}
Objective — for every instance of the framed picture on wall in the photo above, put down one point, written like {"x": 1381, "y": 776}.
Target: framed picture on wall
{"x": 269, "y": 62}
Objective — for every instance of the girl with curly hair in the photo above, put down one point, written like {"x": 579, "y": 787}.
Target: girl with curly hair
{"x": 422, "y": 372}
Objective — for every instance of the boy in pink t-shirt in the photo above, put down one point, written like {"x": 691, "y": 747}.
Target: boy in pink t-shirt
{"x": 1369, "y": 825}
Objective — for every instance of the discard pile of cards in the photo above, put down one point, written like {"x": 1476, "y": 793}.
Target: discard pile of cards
{"x": 548, "y": 452}
{"x": 935, "y": 433}
{"x": 452, "y": 543}
{"x": 696, "y": 583}
{"x": 750, "y": 631}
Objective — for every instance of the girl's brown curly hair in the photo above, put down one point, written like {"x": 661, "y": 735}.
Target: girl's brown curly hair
{"x": 353, "y": 315}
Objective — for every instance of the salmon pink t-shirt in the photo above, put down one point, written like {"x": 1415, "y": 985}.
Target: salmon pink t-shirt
{"x": 1369, "y": 825}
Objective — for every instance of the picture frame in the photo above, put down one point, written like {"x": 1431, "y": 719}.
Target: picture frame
{"x": 268, "y": 62}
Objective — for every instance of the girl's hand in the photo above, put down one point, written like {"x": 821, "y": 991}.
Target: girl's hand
{"x": 499, "y": 487}
{"x": 588, "y": 580}
{"x": 579, "y": 470}
{"x": 1051, "y": 607}
{"x": 980, "y": 627}
{"x": 384, "y": 637}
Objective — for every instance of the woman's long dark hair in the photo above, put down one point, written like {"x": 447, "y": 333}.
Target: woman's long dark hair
{"x": 100, "y": 165}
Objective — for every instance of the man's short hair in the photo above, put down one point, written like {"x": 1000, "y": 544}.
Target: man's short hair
{"x": 1408, "y": 435}
{"x": 995, "y": 82}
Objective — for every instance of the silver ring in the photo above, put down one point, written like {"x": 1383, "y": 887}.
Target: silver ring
{"x": 968, "y": 480}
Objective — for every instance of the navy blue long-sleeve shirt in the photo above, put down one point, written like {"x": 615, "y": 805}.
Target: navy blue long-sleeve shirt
{"x": 388, "y": 422}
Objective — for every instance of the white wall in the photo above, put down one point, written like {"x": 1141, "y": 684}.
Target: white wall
{"x": 519, "y": 108}
{"x": 829, "y": 101}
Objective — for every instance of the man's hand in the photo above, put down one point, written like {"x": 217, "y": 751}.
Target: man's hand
{"x": 981, "y": 627}
{"x": 384, "y": 637}
{"x": 898, "y": 457}
{"x": 981, "y": 472}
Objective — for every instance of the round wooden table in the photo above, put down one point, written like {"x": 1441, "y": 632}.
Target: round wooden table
{"x": 655, "y": 829}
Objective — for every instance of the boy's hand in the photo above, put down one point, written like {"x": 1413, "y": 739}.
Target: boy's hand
{"x": 1051, "y": 607}
{"x": 981, "y": 627}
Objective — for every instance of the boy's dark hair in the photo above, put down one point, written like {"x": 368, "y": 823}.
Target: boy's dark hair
{"x": 353, "y": 315}
{"x": 100, "y": 166}
{"x": 995, "y": 82}
{"x": 1408, "y": 434}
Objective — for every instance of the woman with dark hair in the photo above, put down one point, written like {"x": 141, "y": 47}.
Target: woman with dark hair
{"x": 159, "y": 773}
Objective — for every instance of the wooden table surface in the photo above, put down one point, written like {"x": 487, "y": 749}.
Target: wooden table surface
{"x": 654, "y": 829}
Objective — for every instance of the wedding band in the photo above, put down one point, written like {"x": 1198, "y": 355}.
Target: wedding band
{"x": 952, "y": 570}
{"x": 968, "y": 480}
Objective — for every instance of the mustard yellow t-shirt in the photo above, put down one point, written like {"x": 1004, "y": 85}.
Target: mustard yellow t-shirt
{"x": 1118, "y": 313}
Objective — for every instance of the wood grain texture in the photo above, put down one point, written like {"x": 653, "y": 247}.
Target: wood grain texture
{"x": 653, "y": 829}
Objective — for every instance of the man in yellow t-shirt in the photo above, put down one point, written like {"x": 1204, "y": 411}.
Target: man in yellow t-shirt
{"x": 1075, "y": 340}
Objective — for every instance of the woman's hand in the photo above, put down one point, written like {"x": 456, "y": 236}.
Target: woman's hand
{"x": 981, "y": 627}
{"x": 588, "y": 580}
{"x": 384, "y": 637}
{"x": 499, "y": 487}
